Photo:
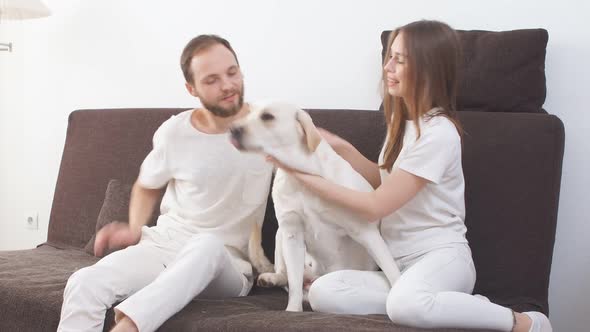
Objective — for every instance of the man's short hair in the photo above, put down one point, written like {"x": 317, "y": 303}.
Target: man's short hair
{"x": 195, "y": 46}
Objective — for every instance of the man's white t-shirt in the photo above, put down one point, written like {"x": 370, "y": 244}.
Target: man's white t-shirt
{"x": 211, "y": 186}
{"x": 435, "y": 216}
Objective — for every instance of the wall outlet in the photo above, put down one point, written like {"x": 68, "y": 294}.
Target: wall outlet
{"x": 32, "y": 220}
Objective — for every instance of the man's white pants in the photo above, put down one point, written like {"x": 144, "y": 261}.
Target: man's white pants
{"x": 434, "y": 291}
{"x": 155, "y": 280}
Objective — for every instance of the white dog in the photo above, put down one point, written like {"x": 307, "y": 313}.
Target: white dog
{"x": 314, "y": 236}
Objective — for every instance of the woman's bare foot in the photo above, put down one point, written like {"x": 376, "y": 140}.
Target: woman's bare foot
{"x": 532, "y": 321}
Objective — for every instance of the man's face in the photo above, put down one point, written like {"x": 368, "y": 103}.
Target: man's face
{"x": 217, "y": 81}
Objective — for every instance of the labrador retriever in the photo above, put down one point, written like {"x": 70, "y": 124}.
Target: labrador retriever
{"x": 315, "y": 237}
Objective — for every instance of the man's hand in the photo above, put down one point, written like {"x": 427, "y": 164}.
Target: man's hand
{"x": 115, "y": 235}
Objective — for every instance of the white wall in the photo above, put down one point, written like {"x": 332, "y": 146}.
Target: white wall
{"x": 321, "y": 54}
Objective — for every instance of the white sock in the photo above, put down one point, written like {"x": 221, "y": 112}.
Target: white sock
{"x": 481, "y": 297}
{"x": 540, "y": 322}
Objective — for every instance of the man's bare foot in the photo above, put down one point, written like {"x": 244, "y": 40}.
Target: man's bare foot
{"x": 125, "y": 325}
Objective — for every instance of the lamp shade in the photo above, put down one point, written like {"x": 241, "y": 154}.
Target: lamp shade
{"x": 22, "y": 9}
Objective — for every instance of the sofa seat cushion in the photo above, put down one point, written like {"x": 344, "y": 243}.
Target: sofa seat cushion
{"x": 32, "y": 283}
{"x": 263, "y": 310}
{"x": 31, "y": 295}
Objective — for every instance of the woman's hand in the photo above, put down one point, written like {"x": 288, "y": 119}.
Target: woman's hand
{"x": 280, "y": 165}
{"x": 305, "y": 178}
{"x": 337, "y": 143}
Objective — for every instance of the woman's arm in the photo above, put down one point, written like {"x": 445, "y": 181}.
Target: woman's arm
{"x": 367, "y": 168}
{"x": 397, "y": 189}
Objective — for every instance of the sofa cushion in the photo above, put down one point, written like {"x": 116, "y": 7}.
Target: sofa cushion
{"x": 31, "y": 294}
{"x": 495, "y": 66}
{"x": 115, "y": 208}
{"x": 32, "y": 284}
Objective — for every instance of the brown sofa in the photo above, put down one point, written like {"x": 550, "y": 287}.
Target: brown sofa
{"x": 512, "y": 165}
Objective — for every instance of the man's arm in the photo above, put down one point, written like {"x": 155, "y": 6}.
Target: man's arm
{"x": 141, "y": 205}
{"x": 121, "y": 235}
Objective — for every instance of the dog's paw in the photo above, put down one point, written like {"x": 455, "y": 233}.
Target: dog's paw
{"x": 265, "y": 267}
{"x": 295, "y": 307}
{"x": 271, "y": 280}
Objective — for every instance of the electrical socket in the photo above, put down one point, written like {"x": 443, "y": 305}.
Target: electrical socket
{"x": 32, "y": 220}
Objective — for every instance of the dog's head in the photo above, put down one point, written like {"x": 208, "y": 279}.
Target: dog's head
{"x": 275, "y": 126}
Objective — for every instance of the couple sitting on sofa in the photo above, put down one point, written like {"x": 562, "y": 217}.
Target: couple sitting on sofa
{"x": 198, "y": 247}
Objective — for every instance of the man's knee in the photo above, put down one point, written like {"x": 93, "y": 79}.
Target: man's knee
{"x": 409, "y": 307}
{"x": 81, "y": 282}
{"x": 206, "y": 244}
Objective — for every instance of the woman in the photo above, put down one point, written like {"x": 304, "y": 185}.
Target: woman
{"x": 419, "y": 198}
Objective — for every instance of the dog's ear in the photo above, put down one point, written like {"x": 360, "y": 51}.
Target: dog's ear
{"x": 311, "y": 135}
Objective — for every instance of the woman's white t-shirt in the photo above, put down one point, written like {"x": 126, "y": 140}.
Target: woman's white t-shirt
{"x": 435, "y": 216}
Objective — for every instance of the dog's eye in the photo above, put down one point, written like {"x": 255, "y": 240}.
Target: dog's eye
{"x": 266, "y": 117}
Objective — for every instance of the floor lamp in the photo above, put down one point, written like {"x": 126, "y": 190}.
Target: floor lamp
{"x": 20, "y": 10}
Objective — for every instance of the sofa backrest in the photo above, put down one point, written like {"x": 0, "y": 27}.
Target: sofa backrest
{"x": 511, "y": 161}
{"x": 499, "y": 71}
{"x": 512, "y": 167}
{"x": 100, "y": 145}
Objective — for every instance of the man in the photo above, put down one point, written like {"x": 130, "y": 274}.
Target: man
{"x": 214, "y": 195}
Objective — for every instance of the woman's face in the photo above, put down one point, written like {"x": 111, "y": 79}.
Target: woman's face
{"x": 396, "y": 68}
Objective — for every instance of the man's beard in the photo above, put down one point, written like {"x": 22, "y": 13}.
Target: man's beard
{"x": 223, "y": 112}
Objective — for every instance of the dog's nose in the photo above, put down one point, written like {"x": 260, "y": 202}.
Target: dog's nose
{"x": 237, "y": 132}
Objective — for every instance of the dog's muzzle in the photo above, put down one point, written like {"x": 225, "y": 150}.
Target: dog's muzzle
{"x": 236, "y": 135}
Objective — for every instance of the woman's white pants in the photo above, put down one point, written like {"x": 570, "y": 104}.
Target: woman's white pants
{"x": 434, "y": 291}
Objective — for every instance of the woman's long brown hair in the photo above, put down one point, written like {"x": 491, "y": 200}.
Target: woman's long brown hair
{"x": 433, "y": 52}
